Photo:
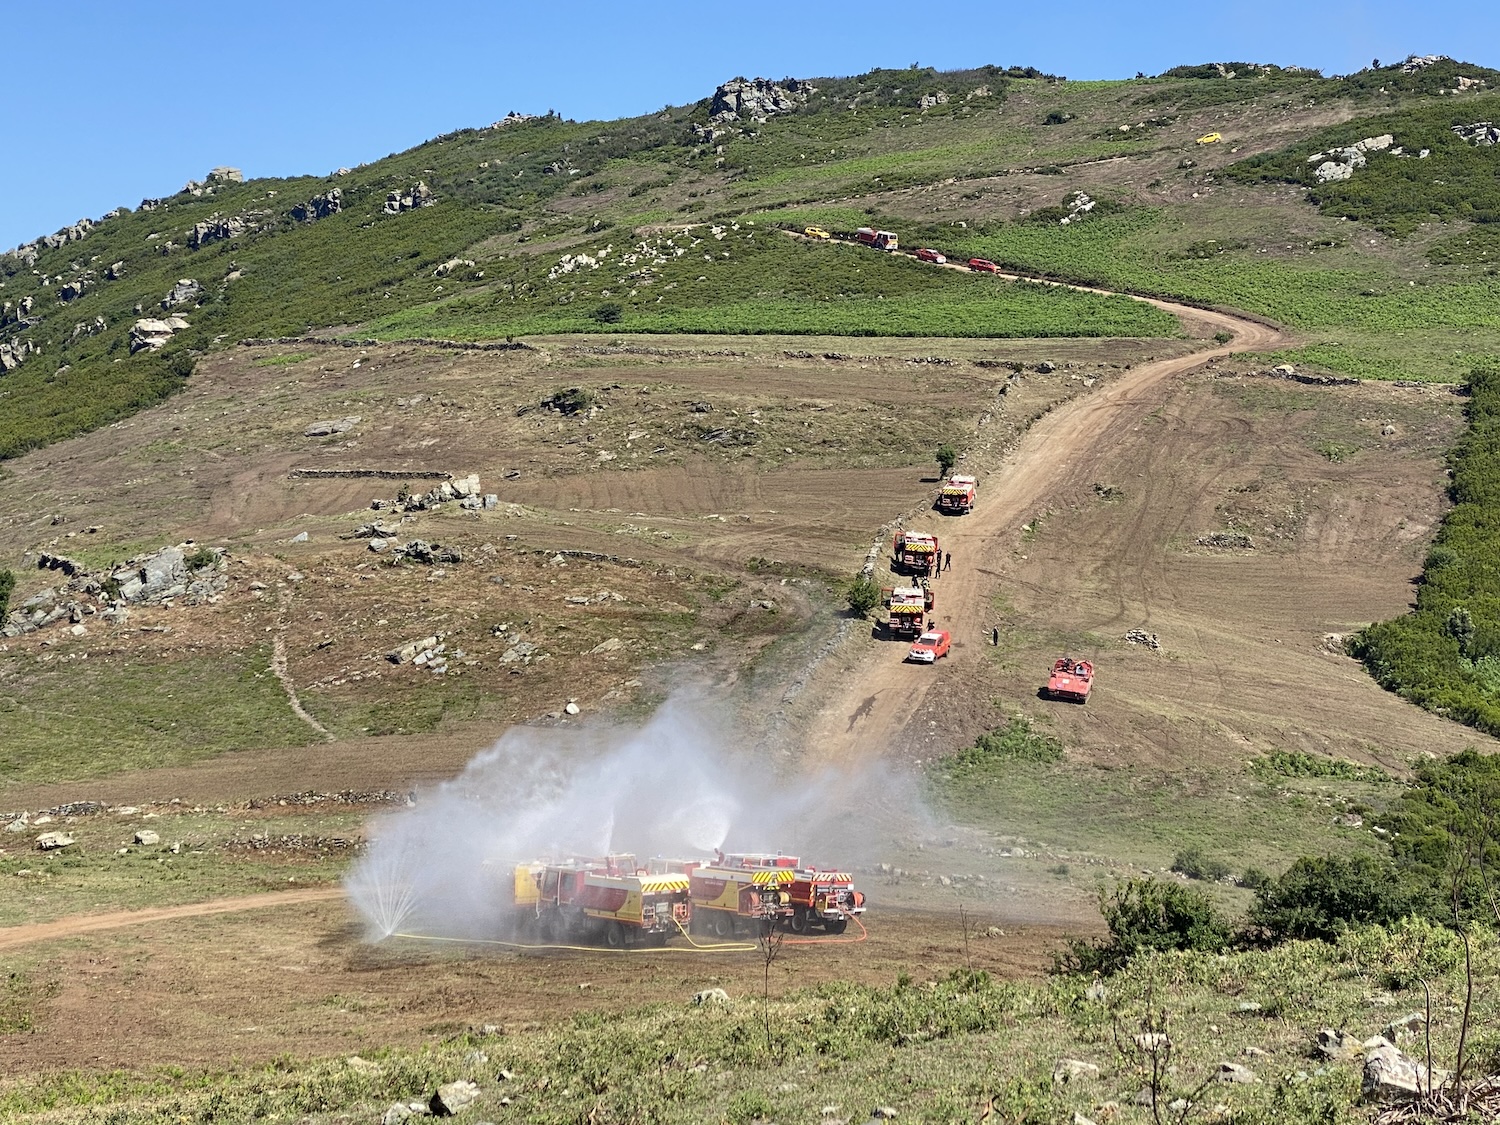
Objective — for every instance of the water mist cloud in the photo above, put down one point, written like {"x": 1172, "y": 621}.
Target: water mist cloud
{"x": 678, "y": 786}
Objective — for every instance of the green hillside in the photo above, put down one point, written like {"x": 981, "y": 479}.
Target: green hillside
{"x": 667, "y": 223}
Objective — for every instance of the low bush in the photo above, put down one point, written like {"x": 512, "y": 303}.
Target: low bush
{"x": 862, "y": 595}
{"x": 1195, "y": 865}
{"x": 7, "y": 586}
{"x": 1148, "y": 915}
{"x": 1320, "y": 897}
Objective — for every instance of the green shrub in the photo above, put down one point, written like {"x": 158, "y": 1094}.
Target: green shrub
{"x": 1017, "y": 741}
{"x": 1254, "y": 878}
{"x": 1147, "y": 915}
{"x": 1441, "y": 656}
{"x": 947, "y": 457}
{"x": 1445, "y": 833}
{"x": 611, "y": 312}
{"x": 1320, "y": 897}
{"x": 7, "y": 586}
{"x": 862, "y": 595}
{"x": 1195, "y": 865}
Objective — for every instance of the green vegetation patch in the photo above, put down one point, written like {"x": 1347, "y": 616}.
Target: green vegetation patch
{"x": 735, "y": 278}
{"x": 66, "y": 719}
{"x": 1397, "y": 189}
{"x": 1445, "y": 655}
{"x": 1294, "y": 763}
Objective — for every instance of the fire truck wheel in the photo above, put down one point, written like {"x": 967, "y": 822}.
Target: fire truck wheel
{"x": 837, "y": 927}
{"x": 798, "y": 924}
{"x": 551, "y": 928}
{"x": 723, "y": 925}
{"x": 614, "y": 935}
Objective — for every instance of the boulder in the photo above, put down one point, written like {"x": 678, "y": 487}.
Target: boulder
{"x": 115, "y": 271}
{"x": 224, "y": 175}
{"x": 453, "y": 1097}
{"x": 147, "y": 838}
{"x": 331, "y": 426}
{"x": 1235, "y": 1073}
{"x": 216, "y": 229}
{"x": 186, "y": 290}
{"x": 51, "y": 841}
{"x": 330, "y": 202}
{"x": 1066, "y": 1071}
{"x": 710, "y": 997}
{"x": 1329, "y": 172}
{"x": 1390, "y": 1076}
{"x": 418, "y": 195}
{"x": 1406, "y": 1028}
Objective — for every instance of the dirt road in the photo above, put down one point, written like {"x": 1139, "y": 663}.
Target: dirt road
{"x": 1056, "y": 458}
{"x": 14, "y": 936}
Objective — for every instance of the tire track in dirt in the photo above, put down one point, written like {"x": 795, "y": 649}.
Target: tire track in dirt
{"x": 12, "y": 937}
{"x": 875, "y": 700}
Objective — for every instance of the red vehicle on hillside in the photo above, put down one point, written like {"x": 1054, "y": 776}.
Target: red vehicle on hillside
{"x": 1071, "y": 680}
{"x": 928, "y": 255}
{"x": 930, "y": 646}
{"x": 983, "y": 265}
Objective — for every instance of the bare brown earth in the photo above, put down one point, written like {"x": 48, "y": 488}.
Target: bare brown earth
{"x": 293, "y": 978}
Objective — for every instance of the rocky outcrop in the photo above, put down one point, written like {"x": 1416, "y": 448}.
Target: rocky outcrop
{"x": 186, "y": 290}
{"x": 757, "y": 99}
{"x": 89, "y": 328}
{"x": 1483, "y": 133}
{"x": 418, "y": 195}
{"x": 217, "y": 229}
{"x": 149, "y": 334}
{"x": 182, "y": 573}
{"x": 465, "y": 490}
{"x": 15, "y": 352}
{"x": 115, "y": 271}
{"x": 1340, "y": 163}
{"x": 217, "y": 177}
{"x": 72, "y": 290}
{"x": 514, "y": 118}
{"x": 320, "y": 206}
{"x": 453, "y": 264}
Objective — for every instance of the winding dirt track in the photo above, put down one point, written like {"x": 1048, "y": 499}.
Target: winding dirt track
{"x": 1056, "y": 458}
{"x": 14, "y": 936}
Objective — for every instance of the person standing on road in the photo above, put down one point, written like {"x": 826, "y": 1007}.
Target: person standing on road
{"x": 948, "y": 561}
{"x": 995, "y": 636}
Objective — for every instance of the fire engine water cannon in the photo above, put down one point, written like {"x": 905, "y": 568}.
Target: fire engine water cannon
{"x": 958, "y": 495}
{"x": 610, "y": 901}
{"x": 880, "y": 239}
{"x": 908, "y": 607}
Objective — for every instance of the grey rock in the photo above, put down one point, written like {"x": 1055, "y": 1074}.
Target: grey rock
{"x": 571, "y": 708}
{"x": 300, "y": 537}
{"x": 51, "y": 841}
{"x": 186, "y": 290}
{"x": 710, "y": 997}
{"x": 1407, "y": 1027}
{"x": 1066, "y": 1071}
{"x": 453, "y": 1097}
{"x": 883, "y": 1113}
{"x": 152, "y": 334}
{"x": 330, "y": 202}
{"x": 1389, "y": 1076}
{"x": 147, "y": 838}
{"x": 378, "y": 545}
{"x": 1337, "y": 1046}
{"x": 1235, "y": 1074}
{"x": 1046, "y": 367}
{"x": 332, "y": 426}
{"x": 491, "y": 502}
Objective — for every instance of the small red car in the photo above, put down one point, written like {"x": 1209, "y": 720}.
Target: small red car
{"x": 929, "y": 646}
{"x": 983, "y": 265}
{"x": 927, "y": 255}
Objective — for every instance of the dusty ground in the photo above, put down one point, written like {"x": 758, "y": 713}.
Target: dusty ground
{"x": 294, "y": 979}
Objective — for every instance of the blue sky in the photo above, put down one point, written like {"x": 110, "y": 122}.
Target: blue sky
{"x": 105, "y": 103}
